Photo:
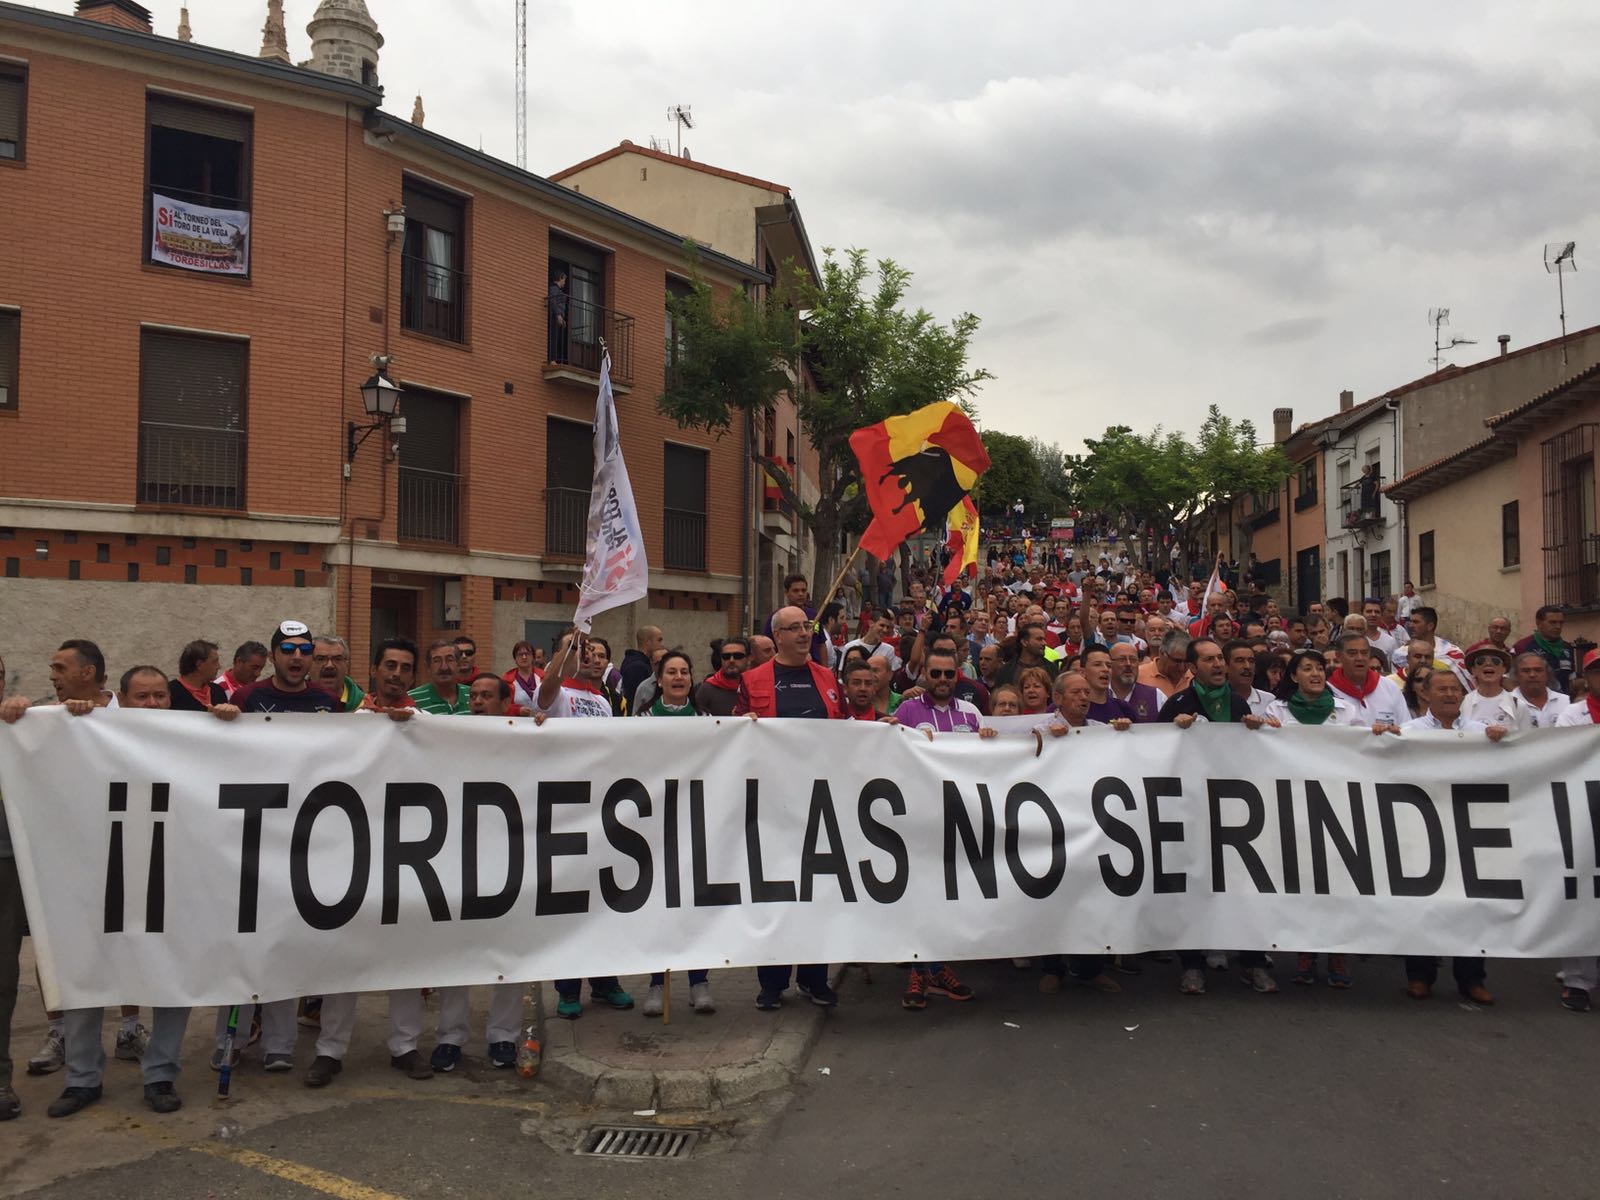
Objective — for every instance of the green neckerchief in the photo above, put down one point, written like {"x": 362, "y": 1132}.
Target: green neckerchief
{"x": 1555, "y": 649}
{"x": 1217, "y": 702}
{"x": 1311, "y": 712}
{"x": 662, "y": 709}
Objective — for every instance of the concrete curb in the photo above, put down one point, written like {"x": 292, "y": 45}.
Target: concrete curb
{"x": 606, "y": 1086}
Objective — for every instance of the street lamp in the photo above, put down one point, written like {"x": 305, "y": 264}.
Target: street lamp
{"x": 380, "y": 397}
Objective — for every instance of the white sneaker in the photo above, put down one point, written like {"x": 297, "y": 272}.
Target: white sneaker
{"x": 132, "y": 1043}
{"x": 1258, "y": 979}
{"x": 52, "y": 1054}
{"x": 1217, "y": 960}
{"x": 654, "y": 1002}
{"x": 700, "y": 998}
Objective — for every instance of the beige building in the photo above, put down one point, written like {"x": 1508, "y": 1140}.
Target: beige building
{"x": 758, "y": 222}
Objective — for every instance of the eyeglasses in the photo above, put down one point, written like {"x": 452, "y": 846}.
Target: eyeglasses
{"x": 734, "y": 656}
{"x": 934, "y": 673}
{"x": 790, "y": 628}
{"x": 295, "y": 647}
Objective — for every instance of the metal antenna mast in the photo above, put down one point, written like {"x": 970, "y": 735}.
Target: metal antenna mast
{"x": 522, "y": 84}
{"x": 1559, "y": 258}
{"x": 1438, "y": 318}
{"x": 681, "y": 116}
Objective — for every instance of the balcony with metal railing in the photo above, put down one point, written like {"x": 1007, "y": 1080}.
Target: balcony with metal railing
{"x": 572, "y": 351}
{"x": 429, "y": 506}
{"x": 1572, "y": 573}
{"x": 1359, "y": 505}
{"x": 566, "y": 522}
{"x": 433, "y": 299}
{"x": 192, "y": 465}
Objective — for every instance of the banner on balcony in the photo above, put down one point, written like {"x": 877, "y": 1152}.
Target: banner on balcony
{"x": 170, "y": 858}
{"x": 214, "y": 240}
{"x": 614, "y": 569}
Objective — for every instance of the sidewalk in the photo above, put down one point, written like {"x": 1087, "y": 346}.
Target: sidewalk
{"x": 622, "y": 1060}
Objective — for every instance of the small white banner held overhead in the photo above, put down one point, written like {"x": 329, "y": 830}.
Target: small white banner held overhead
{"x": 173, "y": 859}
{"x": 614, "y": 570}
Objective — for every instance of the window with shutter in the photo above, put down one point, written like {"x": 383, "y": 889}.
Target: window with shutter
{"x": 569, "y": 478}
{"x": 430, "y": 481}
{"x": 684, "y": 501}
{"x": 192, "y": 431}
{"x": 13, "y": 111}
{"x": 198, "y": 156}
{"x": 432, "y": 279}
{"x": 10, "y": 354}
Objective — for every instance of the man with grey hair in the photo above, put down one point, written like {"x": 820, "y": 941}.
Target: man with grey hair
{"x": 330, "y": 667}
{"x": 1167, "y": 670}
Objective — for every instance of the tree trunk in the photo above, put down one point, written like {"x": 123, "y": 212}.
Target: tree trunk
{"x": 824, "y": 530}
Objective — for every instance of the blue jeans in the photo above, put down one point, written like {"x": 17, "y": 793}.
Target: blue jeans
{"x": 809, "y": 976}
{"x": 604, "y": 984}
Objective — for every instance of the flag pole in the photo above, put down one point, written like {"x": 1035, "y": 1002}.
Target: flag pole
{"x": 834, "y": 587}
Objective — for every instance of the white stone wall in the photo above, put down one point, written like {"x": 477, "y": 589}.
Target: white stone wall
{"x": 691, "y": 631}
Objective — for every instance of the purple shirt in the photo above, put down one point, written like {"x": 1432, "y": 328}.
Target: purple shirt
{"x": 921, "y": 713}
{"x": 1111, "y": 709}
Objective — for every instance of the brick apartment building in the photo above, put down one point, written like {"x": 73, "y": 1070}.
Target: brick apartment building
{"x": 175, "y": 412}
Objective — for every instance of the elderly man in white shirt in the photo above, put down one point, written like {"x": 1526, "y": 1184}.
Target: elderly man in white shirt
{"x": 1533, "y": 689}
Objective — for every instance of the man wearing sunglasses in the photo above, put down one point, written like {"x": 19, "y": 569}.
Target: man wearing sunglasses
{"x": 289, "y": 689}
{"x": 938, "y": 709}
{"x": 719, "y": 691}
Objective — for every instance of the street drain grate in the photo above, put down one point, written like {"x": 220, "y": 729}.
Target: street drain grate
{"x": 641, "y": 1143}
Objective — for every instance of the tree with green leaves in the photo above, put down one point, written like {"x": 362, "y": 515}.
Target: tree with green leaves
{"x": 1013, "y": 475}
{"x": 867, "y": 356}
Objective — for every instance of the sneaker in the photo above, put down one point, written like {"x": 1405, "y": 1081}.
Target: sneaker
{"x": 1193, "y": 982}
{"x": 768, "y": 1001}
{"x": 277, "y": 1062}
{"x": 72, "y": 1100}
{"x": 411, "y": 1063}
{"x": 132, "y": 1043}
{"x": 445, "y": 1058}
{"x": 1574, "y": 998}
{"x": 916, "y": 997}
{"x": 1049, "y": 983}
{"x": 1338, "y": 973}
{"x": 322, "y": 1070}
{"x": 1217, "y": 960}
{"x": 216, "y": 1059}
{"x": 311, "y": 1012}
{"x": 1305, "y": 971}
{"x": 1258, "y": 979}
{"x": 52, "y": 1054}
{"x": 162, "y": 1097}
{"x": 1101, "y": 983}
{"x": 700, "y": 998}
{"x": 822, "y": 995}
{"x": 616, "y": 998}
{"x": 945, "y": 983}
{"x": 569, "y": 1008}
{"x": 655, "y": 1002}
{"x": 10, "y": 1106}
{"x": 502, "y": 1054}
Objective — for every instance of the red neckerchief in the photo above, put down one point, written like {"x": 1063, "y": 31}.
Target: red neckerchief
{"x": 1594, "y": 707}
{"x": 1342, "y": 681}
{"x": 582, "y": 685}
{"x": 719, "y": 680}
{"x": 852, "y": 715}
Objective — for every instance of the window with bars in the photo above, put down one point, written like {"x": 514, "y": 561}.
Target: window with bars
{"x": 10, "y": 357}
{"x": 1378, "y": 569}
{"x": 192, "y": 431}
{"x": 1571, "y": 537}
{"x": 197, "y": 156}
{"x": 1425, "y": 559}
{"x": 1510, "y": 534}
{"x": 684, "y": 499}
{"x": 13, "y": 111}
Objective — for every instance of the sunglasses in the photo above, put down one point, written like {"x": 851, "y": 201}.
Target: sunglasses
{"x": 937, "y": 674}
{"x": 734, "y": 656}
{"x": 295, "y": 647}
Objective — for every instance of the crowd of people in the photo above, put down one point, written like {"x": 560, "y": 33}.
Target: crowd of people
{"x": 1091, "y": 643}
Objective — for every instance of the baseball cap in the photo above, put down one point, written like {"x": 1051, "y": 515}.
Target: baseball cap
{"x": 1592, "y": 659}
{"x": 288, "y": 630}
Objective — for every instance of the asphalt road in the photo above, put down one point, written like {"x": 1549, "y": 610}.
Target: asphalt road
{"x": 1307, "y": 1093}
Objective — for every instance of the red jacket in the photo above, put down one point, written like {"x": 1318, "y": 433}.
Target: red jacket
{"x": 758, "y": 693}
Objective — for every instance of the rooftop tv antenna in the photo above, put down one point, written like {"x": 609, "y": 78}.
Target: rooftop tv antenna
{"x": 679, "y": 115}
{"x": 1559, "y": 258}
{"x": 522, "y": 84}
{"x": 1439, "y": 318}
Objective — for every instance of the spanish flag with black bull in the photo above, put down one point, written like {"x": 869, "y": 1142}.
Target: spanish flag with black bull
{"x": 915, "y": 470}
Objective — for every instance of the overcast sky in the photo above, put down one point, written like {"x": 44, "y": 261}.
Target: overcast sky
{"x": 1152, "y": 207}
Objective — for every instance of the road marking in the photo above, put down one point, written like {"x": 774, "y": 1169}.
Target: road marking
{"x": 325, "y": 1182}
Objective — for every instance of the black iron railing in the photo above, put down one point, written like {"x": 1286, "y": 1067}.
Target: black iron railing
{"x": 1359, "y": 501}
{"x": 685, "y": 538}
{"x": 1572, "y": 573}
{"x": 577, "y": 343}
{"x": 191, "y": 464}
{"x": 566, "y": 521}
{"x": 430, "y": 506}
{"x": 433, "y": 299}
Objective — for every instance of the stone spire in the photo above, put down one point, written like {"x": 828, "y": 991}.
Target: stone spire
{"x": 185, "y": 34}
{"x": 345, "y": 41}
{"x": 417, "y": 114}
{"x": 274, "y": 37}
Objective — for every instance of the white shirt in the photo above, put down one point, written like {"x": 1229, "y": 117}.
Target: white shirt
{"x": 1555, "y": 703}
{"x": 1260, "y": 702}
{"x": 1405, "y": 605}
{"x": 1576, "y": 714}
{"x": 1507, "y": 709}
{"x": 881, "y": 650}
{"x": 1382, "y": 641}
{"x": 1344, "y": 713}
{"x": 578, "y": 702}
{"x": 1429, "y": 721}
{"x": 1386, "y": 704}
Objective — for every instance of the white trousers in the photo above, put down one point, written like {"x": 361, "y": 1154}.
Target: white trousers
{"x": 339, "y": 1022}
{"x": 505, "y": 1014}
{"x": 1581, "y": 973}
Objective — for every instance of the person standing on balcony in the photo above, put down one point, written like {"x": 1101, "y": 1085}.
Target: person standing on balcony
{"x": 557, "y": 306}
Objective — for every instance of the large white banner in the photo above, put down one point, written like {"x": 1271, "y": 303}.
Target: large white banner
{"x": 170, "y": 858}
{"x": 214, "y": 240}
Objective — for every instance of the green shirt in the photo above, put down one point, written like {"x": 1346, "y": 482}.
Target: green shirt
{"x": 429, "y": 700}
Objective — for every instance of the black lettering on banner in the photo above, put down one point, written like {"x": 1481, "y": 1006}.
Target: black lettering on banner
{"x": 980, "y": 858}
{"x": 631, "y": 843}
{"x": 813, "y": 862}
{"x": 1289, "y": 844}
{"x": 1240, "y": 837}
{"x": 475, "y": 797}
{"x": 252, "y": 799}
{"x": 1390, "y": 796}
{"x": 1591, "y": 789}
{"x": 1161, "y": 832}
{"x": 1470, "y": 839}
{"x": 883, "y": 838}
{"x": 1121, "y": 833}
{"x": 671, "y": 867}
{"x": 762, "y": 890}
{"x": 706, "y": 893}
{"x": 417, "y": 854}
{"x": 114, "y": 903}
{"x": 155, "y": 884}
{"x": 547, "y": 902}
{"x": 332, "y": 793}
{"x": 1036, "y": 888}
{"x": 1355, "y": 849}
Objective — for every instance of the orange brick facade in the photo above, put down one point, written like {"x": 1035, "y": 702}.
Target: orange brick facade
{"x": 322, "y": 298}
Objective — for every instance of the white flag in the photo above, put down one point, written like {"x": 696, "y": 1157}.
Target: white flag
{"x": 614, "y": 572}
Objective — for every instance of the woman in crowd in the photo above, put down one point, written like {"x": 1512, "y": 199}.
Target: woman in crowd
{"x": 1005, "y": 701}
{"x": 523, "y": 676}
{"x": 1034, "y": 685}
{"x": 674, "y": 687}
